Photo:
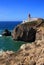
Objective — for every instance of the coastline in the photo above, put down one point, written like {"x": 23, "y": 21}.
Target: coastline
{"x": 30, "y": 54}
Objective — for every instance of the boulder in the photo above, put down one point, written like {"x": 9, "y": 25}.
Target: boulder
{"x": 6, "y": 33}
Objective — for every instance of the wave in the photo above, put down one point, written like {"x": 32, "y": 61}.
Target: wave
{"x": 0, "y": 35}
{"x": 1, "y": 52}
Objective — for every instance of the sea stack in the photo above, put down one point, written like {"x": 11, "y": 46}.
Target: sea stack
{"x": 6, "y": 33}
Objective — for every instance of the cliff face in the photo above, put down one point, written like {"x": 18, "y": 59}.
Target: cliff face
{"x": 28, "y": 31}
{"x": 22, "y": 33}
{"x": 28, "y": 54}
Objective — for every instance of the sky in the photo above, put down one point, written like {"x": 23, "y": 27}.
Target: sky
{"x": 17, "y": 10}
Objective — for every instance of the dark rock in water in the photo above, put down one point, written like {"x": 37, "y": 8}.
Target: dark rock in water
{"x": 6, "y": 33}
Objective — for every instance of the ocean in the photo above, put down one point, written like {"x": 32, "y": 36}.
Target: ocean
{"x": 7, "y": 43}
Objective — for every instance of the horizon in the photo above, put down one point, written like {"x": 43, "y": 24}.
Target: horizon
{"x": 18, "y": 10}
{"x": 11, "y": 21}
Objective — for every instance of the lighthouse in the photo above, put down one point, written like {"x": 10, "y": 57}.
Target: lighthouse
{"x": 29, "y": 17}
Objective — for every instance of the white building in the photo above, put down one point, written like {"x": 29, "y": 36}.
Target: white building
{"x": 30, "y": 19}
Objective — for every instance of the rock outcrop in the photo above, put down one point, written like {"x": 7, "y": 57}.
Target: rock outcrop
{"x": 6, "y": 33}
{"x": 28, "y": 54}
{"x": 28, "y": 31}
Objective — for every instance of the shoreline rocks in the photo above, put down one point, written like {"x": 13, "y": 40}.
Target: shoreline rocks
{"x": 28, "y": 54}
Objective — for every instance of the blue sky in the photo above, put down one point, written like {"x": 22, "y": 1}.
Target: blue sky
{"x": 12, "y": 10}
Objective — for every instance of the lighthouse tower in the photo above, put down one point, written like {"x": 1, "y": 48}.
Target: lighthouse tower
{"x": 29, "y": 17}
{"x": 28, "y": 20}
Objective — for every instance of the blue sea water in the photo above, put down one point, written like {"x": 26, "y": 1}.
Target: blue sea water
{"x": 7, "y": 43}
{"x": 8, "y": 24}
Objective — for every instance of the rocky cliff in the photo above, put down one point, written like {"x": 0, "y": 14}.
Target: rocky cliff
{"x": 28, "y": 54}
{"x": 29, "y": 31}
